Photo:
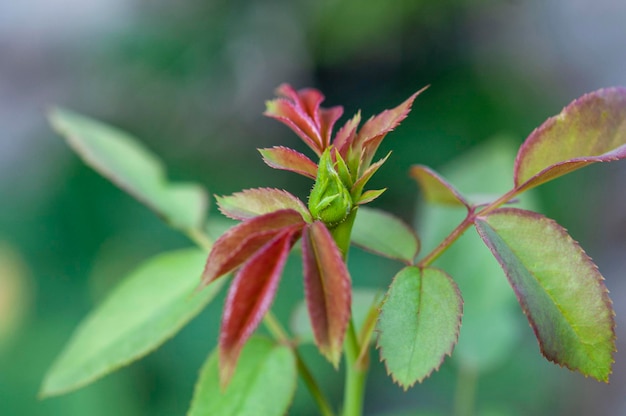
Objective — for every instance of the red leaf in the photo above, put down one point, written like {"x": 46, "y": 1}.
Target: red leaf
{"x": 328, "y": 118}
{"x": 328, "y": 290}
{"x": 236, "y": 245}
{"x": 279, "y": 157}
{"x": 297, "y": 120}
{"x": 301, "y": 111}
{"x": 250, "y": 296}
{"x": 345, "y": 136}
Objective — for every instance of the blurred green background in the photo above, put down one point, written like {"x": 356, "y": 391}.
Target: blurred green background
{"x": 190, "y": 79}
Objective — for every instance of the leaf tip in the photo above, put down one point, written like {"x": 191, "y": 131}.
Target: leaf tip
{"x": 227, "y": 364}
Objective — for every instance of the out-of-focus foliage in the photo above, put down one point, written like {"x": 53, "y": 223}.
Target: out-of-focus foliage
{"x": 15, "y": 293}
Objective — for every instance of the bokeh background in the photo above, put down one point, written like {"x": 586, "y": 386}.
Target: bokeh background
{"x": 190, "y": 79}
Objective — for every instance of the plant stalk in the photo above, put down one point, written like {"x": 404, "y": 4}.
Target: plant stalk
{"x": 448, "y": 241}
{"x": 278, "y": 332}
{"x": 200, "y": 238}
{"x": 463, "y": 226}
{"x": 355, "y": 375}
{"x": 356, "y": 369}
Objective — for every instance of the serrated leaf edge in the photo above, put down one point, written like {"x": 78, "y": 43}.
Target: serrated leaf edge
{"x": 448, "y": 353}
{"x": 605, "y": 292}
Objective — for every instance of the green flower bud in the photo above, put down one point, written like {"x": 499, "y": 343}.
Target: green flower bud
{"x": 330, "y": 200}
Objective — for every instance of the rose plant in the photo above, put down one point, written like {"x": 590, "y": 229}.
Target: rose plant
{"x": 415, "y": 325}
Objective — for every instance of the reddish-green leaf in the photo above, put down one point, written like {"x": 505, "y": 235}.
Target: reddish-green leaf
{"x": 237, "y": 244}
{"x": 298, "y": 121}
{"x": 250, "y": 296}
{"x": 435, "y": 188}
{"x": 301, "y": 111}
{"x": 328, "y": 118}
{"x": 590, "y": 129}
{"x": 419, "y": 323}
{"x": 309, "y": 101}
{"x": 251, "y": 203}
{"x": 279, "y": 157}
{"x": 264, "y": 383}
{"x": 376, "y": 128}
{"x": 558, "y": 286}
{"x": 384, "y": 234}
{"x": 328, "y": 293}
{"x": 346, "y": 135}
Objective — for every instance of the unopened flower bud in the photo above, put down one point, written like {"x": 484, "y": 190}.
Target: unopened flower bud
{"x": 330, "y": 200}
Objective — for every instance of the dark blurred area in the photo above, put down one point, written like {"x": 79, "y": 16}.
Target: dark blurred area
{"x": 190, "y": 80}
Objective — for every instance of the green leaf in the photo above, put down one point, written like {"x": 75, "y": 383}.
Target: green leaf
{"x": 145, "y": 310}
{"x": 558, "y": 286}
{"x": 120, "y": 158}
{"x": 362, "y": 301}
{"x": 357, "y": 188}
{"x": 590, "y": 129}
{"x": 386, "y": 235}
{"x": 342, "y": 169}
{"x": 264, "y": 383}
{"x": 419, "y": 323}
{"x": 369, "y": 196}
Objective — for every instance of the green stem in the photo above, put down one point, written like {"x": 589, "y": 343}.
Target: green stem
{"x": 199, "y": 238}
{"x": 275, "y": 328}
{"x": 278, "y": 333}
{"x": 447, "y": 242}
{"x": 356, "y": 370}
{"x": 463, "y": 226}
{"x": 316, "y": 392}
{"x": 355, "y": 375}
{"x": 342, "y": 232}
